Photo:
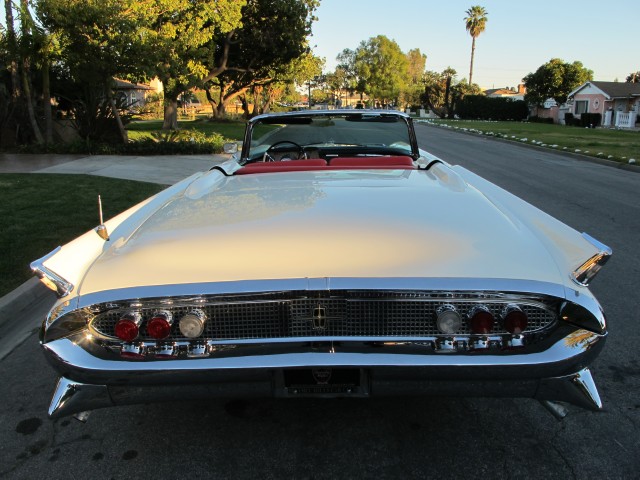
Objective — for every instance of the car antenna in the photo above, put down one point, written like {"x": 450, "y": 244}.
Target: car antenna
{"x": 101, "y": 230}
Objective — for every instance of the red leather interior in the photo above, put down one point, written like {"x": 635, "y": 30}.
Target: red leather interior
{"x": 339, "y": 163}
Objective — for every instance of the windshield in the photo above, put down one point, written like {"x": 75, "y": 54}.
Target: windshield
{"x": 330, "y": 135}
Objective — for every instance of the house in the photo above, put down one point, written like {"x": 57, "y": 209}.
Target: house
{"x": 510, "y": 93}
{"x": 135, "y": 94}
{"x": 617, "y": 102}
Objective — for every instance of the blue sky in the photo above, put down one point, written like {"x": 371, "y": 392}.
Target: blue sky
{"x": 520, "y": 36}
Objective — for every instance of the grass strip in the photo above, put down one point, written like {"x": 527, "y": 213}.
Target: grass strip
{"x": 38, "y": 212}
{"x": 618, "y": 145}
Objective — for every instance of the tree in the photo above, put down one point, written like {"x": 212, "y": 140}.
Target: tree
{"x": 438, "y": 93}
{"x": 347, "y": 64}
{"x": 100, "y": 40}
{"x": 414, "y": 86}
{"x": 260, "y": 52}
{"x": 262, "y": 93}
{"x": 11, "y": 49}
{"x": 182, "y": 38}
{"x": 38, "y": 49}
{"x": 338, "y": 82}
{"x": 475, "y": 23}
{"x": 555, "y": 79}
{"x": 382, "y": 68}
{"x": 634, "y": 77}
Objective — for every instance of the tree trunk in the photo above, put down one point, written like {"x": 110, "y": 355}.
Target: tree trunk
{"x": 46, "y": 104}
{"x": 447, "y": 99}
{"x": 473, "y": 52}
{"x": 26, "y": 77}
{"x": 211, "y": 101}
{"x": 245, "y": 106}
{"x": 432, "y": 107}
{"x": 220, "y": 111}
{"x": 26, "y": 88}
{"x": 267, "y": 105}
{"x": 170, "y": 114}
{"x": 13, "y": 50}
{"x": 116, "y": 114}
{"x": 225, "y": 98}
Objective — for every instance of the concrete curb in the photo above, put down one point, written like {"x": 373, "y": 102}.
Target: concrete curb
{"x": 29, "y": 293}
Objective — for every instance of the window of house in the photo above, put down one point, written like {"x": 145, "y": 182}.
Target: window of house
{"x": 134, "y": 99}
{"x": 581, "y": 106}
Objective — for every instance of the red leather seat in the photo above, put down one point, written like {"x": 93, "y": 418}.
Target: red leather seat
{"x": 364, "y": 162}
{"x": 286, "y": 166}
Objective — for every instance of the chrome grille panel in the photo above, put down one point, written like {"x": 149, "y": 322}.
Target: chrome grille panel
{"x": 383, "y": 314}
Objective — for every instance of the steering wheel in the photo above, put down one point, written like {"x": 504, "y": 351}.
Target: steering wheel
{"x": 269, "y": 158}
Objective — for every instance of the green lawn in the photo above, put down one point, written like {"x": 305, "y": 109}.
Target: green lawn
{"x": 621, "y": 145}
{"x": 38, "y": 212}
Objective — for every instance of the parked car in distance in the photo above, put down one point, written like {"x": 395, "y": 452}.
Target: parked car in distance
{"x": 328, "y": 257}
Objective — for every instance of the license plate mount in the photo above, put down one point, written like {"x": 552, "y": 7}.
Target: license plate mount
{"x": 322, "y": 382}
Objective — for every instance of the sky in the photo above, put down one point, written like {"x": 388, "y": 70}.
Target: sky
{"x": 519, "y": 36}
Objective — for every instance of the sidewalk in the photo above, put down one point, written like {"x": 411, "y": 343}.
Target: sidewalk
{"x": 162, "y": 169}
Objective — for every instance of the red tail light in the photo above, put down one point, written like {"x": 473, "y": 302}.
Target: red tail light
{"x": 159, "y": 326}
{"x": 127, "y": 328}
{"x": 481, "y": 320}
{"x": 515, "y": 320}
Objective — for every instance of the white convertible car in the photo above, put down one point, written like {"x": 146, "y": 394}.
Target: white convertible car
{"x": 329, "y": 257}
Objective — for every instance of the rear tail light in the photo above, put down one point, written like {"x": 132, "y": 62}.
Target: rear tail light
{"x": 481, "y": 320}
{"x": 515, "y": 320}
{"x": 128, "y": 326}
{"x": 159, "y": 326}
{"x": 448, "y": 319}
{"x": 192, "y": 324}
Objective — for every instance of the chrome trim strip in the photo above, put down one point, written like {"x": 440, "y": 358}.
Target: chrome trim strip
{"x": 51, "y": 279}
{"x": 498, "y": 285}
{"x": 589, "y": 269}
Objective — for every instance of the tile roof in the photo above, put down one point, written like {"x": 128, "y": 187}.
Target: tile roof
{"x": 618, "y": 89}
{"x": 124, "y": 85}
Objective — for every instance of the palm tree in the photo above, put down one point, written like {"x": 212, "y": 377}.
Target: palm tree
{"x": 475, "y": 21}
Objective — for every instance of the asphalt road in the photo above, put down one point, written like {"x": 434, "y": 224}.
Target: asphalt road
{"x": 381, "y": 438}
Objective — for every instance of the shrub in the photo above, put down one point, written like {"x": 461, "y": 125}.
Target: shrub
{"x": 591, "y": 120}
{"x": 536, "y": 119}
{"x": 178, "y": 142}
{"x": 480, "y": 107}
{"x": 571, "y": 120}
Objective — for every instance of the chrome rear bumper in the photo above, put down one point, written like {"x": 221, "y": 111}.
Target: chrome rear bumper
{"x": 556, "y": 373}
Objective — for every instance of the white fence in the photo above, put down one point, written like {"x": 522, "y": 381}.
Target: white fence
{"x": 626, "y": 119}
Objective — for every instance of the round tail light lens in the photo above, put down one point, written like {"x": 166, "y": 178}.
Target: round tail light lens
{"x": 448, "y": 320}
{"x": 481, "y": 320}
{"x": 128, "y": 326}
{"x": 192, "y": 324}
{"x": 515, "y": 320}
{"x": 159, "y": 326}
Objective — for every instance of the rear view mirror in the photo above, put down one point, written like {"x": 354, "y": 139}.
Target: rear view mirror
{"x": 230, "y": 147}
